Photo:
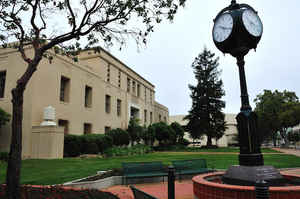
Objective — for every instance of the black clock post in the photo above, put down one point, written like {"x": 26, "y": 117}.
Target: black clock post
{"x": 237, "y": 30}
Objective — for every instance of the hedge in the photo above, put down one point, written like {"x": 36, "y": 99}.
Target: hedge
{"x": 74, "y": 145}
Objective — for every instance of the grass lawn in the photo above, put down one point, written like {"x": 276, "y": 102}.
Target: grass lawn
{"x": 45, "y": 172}
{"x": 225, "y": 149}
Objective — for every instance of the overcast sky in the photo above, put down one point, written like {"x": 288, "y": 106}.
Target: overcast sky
{"x": 171, "y": 49}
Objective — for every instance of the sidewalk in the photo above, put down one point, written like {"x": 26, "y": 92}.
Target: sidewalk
{"x": 183, "y": 190}
{"x": 289, "y": 151}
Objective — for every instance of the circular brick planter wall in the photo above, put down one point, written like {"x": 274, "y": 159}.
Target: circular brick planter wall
{"x": 213, "y": 189}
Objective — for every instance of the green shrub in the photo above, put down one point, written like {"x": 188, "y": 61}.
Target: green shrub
{"x": 178, "y": 147}
{"x": 103, "y": 141}
{"x": 183, "y": 141}
{"x": 72, "y": 149}
{"x": 148, "y": 135}
{"x": 124, "y": 138}
{"x": 4, "y": 156}
{"x": 75, "y": 145}
{"x": 92, "y": 148}
{"x": 164, "y": 133}
{"x": 72, "y": 145}
{"x": 127, "y": 151}
{"x": 135, "y": 130}
{"x": 89, "y": 145}
{"x": 179, "y": 132}
{"x": 119, "y": 137}
{"x": 107, "y": 142}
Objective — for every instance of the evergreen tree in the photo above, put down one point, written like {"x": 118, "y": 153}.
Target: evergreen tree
{"x": 205, "y": 116}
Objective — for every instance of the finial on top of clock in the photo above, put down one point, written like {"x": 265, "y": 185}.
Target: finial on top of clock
{"x": 233, "y": 2}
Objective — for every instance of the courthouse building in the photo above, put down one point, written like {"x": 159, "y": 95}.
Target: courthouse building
{"x": 93, "y": 95}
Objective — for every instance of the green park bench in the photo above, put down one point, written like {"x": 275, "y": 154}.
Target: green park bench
{"x": 189, "y": 167}
{"x": 143, "y": 170}
{"x": 138, "y": 194}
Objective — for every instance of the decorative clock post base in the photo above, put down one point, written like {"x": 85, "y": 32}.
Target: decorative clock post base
{"x": 251, "y": 175}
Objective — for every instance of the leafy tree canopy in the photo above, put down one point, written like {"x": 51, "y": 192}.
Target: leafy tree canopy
{"x": 179, "y": 132}
{"x": 135, "y": 130}
{"x": 163, "y": 133}
{"x": 46, "y": 23}
{"x": 277, "y": 111}
{"x": 205, "y": 116}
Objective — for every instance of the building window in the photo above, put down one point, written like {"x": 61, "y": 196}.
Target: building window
{"x": 108, "y": 73}
{"x": 145, "y": 116}
{"x": 119, "y": 79}
{"x": 119, "y": 105}
{"x": 133, "y": 87}
{"x": 65, "y": 124}
{"x": 128, "y": 85}
{"x": 165, "y": 119}
{"x": 88, "y": 97}
{"x": 64, "y": 89}
{"x": 138, "y": 90}
{"x": 107, "y": 103}
{"x": 151, "y": 117}
{"x": 2, "y": 83}
{"x": 106, "y": 129}
{"x": 87, "y": 128}
{"x": 159, "y": 117}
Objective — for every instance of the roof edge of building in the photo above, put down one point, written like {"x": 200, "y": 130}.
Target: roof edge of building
{"x": 115, "y": 58}
{"x": 13, "y": 50}
{"x": 161, "y": 106}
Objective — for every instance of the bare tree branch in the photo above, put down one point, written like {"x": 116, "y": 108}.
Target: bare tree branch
{"x": 42, "y": 18}
{"x": 34, "y": 9}
{"x": 21, "y": 40}
{"x": 73, "y": 18}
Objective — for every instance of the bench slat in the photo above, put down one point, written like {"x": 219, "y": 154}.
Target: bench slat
{"x": 143, "y": 169}
{"x": 190, "y": 166}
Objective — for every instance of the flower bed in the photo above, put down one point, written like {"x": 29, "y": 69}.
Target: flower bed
{"x": 57, "y": 192}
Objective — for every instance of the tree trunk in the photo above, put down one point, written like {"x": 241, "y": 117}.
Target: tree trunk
{"x": 14, "y": 160}
{"x": 15, "y": 153}
{"x": 209, "y": 141}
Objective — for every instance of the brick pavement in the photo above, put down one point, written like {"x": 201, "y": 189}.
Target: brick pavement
{"x": 183, "y": 190}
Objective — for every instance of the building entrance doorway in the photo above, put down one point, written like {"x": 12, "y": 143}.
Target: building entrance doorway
{"x": 134, "y": 113}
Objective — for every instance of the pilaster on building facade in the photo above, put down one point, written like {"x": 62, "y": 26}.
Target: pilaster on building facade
{"x": 94, "y": 95}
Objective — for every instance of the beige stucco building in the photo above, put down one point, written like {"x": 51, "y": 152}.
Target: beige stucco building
{"x": 93, "y": 95}
{"x": 227, "y": 138}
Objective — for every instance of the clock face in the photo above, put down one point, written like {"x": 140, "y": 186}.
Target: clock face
{"x": 223, "y": 27}
{"x": 252, "y": 23}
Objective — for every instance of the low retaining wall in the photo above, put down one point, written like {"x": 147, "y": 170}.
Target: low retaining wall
{"x": 204, "y": 189}
{"x": 111, "y": 181}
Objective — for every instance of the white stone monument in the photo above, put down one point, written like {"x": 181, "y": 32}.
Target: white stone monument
{"x": 49, "y": 116}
